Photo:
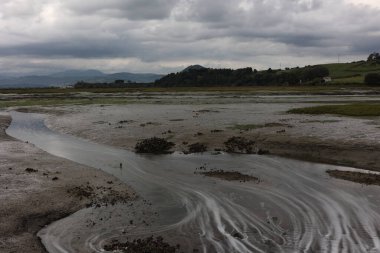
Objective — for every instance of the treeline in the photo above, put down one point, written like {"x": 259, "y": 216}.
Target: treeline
{"x": 245, "y": 76}
{"x": 115, "y": 84}
{"x": 373, "y": 78}
{"x": 374, "y": 58}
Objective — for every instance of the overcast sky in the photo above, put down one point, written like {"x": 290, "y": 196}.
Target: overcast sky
{"x": 41, "y": 36}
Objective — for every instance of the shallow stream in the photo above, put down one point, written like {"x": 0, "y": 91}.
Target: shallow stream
{"x": 296, "y": 207}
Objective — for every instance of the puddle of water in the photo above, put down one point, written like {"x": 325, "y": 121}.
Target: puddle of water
{"x": 296, "y": 207}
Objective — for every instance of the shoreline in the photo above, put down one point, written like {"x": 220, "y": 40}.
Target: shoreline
{"x": 322, "y": 139}
{"x": 348, "y": 154}
{"x": 38, "y": 189}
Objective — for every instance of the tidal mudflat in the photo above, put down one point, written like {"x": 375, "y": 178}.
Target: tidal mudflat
{"x": 286, "y": 206}
{"x": 38, "y": 188}
{"x": 211, "y": 120}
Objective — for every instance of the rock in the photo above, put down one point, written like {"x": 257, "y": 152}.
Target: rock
{"x": 31, "y": 170}
{"x": 154, "y": 145}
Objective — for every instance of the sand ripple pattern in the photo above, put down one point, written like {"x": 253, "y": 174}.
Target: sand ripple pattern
{"x": 296, "y": 207}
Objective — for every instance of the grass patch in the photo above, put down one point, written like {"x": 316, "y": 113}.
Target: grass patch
{"x": 363, "y": 109}
{"x": 197, "y": 148}
{"x": 154, "y": 145}
{"x": 352, "y": 80}
{"x": 240, "y": 145}
{"x": 357, "y": 177}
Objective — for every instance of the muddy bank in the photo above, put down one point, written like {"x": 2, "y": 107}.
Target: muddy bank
{"x": 326, "y": 138}
{"x": 358, "y": 154}
{"x": 356, "y": 176}
{"x": 37, "y": 189}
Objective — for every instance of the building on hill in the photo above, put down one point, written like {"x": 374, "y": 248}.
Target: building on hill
{"x": 327, "y": 79}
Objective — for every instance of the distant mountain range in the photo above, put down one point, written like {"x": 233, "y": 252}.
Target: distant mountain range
{"x": 70, "y": 77}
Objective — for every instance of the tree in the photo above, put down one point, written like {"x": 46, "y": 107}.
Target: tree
{"x": 372, "y": 79}
{"x": 374, "y": 57}
{"x": 311, "y": 73}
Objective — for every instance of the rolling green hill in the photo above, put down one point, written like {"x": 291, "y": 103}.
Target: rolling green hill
{"x": 341, "y": 73}
{"x": 351, "y": 73}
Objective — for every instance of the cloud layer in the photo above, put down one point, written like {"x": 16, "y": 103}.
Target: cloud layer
{"x": 166, "y": 35}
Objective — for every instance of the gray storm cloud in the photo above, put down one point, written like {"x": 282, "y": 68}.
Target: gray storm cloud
{"x": 146, "y": 35}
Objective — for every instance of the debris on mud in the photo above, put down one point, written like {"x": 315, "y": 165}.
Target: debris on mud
{"x": 239, "y": 145}
{"x": 154, "y": 145}
{"x": 126, "y": 121}
{"x": 229, "y": 175}
{"x": 248, "y": 127}
{"x": 150, "y": 244}
{"x": 206, "y": 111}
{"x": 226, "y": 175}
{"x": 100, "y": 195}
{"x": 355, "y": 176}
{"x": 197, "y": 148}
{"x": 150, "y": 124}
{"x": 100, "y": 122}
{"x": 168, "y": 132}
{"x": 82, "y": 192}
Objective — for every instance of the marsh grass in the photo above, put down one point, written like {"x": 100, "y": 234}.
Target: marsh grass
{"x": 358, "y": 110}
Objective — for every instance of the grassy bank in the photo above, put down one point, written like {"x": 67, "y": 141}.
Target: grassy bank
{"x": 360, "y": 109}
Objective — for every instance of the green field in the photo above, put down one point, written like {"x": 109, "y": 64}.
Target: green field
{"x": 351, "y": 73}
{"x": 359, "y": 109}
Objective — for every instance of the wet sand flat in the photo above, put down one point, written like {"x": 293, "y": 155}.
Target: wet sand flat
{"x": 37, "y": 188}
